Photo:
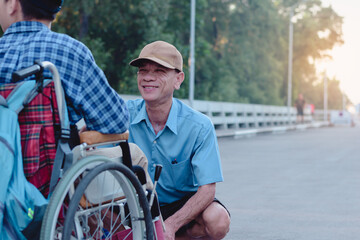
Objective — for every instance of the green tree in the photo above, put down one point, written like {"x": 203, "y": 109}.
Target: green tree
{"x": 114, "y": 31}
{"x": 317, "y": 30}
{"x": 241, "y": 46}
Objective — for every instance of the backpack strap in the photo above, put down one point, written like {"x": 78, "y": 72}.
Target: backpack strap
{"x": 15, "y": 100}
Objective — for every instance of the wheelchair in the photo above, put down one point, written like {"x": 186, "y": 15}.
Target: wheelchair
{"x": 90, "y": 196}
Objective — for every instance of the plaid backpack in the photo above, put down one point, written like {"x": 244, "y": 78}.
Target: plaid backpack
{"x": 34, "y": 149}
{"x": 21, "y": 204}
{"x": 39, "y": 123}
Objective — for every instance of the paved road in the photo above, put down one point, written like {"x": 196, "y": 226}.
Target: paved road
{"x": 300, "y": 185}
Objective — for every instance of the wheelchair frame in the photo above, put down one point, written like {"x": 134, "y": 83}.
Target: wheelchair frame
{"x": 76, "y": 176}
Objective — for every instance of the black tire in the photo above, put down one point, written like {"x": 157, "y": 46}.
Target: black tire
{"x": 139, "y": 212}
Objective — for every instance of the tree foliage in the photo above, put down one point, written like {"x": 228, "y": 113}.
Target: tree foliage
{"x": 241, "y": 45}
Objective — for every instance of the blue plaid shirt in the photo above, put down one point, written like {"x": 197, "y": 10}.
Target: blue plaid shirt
{"x": 88, "y": 93}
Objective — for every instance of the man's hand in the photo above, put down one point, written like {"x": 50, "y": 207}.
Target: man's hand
{"x": 192, "y": 208}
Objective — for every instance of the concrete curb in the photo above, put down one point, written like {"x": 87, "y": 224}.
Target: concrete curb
{"x": 277, "y": 129}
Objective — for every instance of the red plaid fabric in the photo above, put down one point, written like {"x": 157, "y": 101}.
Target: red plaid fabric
{"x": 37, "y": 126}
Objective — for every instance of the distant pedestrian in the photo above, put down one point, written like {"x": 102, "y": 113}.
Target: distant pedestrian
{"x": 312, "y": 110}
{"x": 300, "y": 104}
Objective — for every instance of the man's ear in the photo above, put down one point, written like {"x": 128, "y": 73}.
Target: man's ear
{"x": 13, "y": 11}
{"x": 179, "y": 79}
{"x": 12, "y": 7}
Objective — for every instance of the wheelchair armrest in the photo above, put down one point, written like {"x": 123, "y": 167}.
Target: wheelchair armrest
{"x": 94, "y": 137}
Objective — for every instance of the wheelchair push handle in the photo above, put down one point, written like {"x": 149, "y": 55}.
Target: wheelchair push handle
{"x": 158, "y": 169}
{"x": 38, "y": 69}
{"x": 21, "y": 74}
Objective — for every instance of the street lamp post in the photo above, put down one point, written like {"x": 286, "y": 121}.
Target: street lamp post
{"x": 290, "y": 57}
{"x": 325, "y": 98}
{"x": 192, "y": 54}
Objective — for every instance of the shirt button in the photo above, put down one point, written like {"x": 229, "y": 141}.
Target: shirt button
{"x": 155, "y": 142}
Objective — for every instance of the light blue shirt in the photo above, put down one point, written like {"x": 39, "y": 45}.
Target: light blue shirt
{"x": 187, "y": 149}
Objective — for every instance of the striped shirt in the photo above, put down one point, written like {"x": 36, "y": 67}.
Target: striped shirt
{"x": 88, "y": 93}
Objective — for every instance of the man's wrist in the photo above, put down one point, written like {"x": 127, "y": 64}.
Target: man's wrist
{"x": 169, "y": 228}
{"x": 170, "y": 224}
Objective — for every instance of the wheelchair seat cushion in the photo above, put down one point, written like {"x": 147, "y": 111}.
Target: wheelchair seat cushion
{"x": 38, "y": 123}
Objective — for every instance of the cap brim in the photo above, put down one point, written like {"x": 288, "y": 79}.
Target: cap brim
{"x": 136, "y": 62}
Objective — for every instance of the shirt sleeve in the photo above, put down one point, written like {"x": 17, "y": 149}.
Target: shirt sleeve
{"x": 102, "y": 107}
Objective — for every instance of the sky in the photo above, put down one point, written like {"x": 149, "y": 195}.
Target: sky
{"x": 345, "y": 65}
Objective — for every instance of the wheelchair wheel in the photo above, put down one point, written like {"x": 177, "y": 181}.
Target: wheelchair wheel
{"x": 52, "y": 224}
{"x": 123, "y": 214}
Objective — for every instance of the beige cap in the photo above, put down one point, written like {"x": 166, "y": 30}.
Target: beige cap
{"x": 162, "y": 53}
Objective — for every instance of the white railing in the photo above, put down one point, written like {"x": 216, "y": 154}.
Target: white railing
{"x": 225, "y": 115}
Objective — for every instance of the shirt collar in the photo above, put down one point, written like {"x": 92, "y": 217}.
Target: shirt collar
{"x": 171, "y": 122}
{"x": 141, "y": 115}
{"x": 26, "y": 26}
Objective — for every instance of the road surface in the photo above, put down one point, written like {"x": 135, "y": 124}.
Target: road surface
{"x": 298, "y": 185}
